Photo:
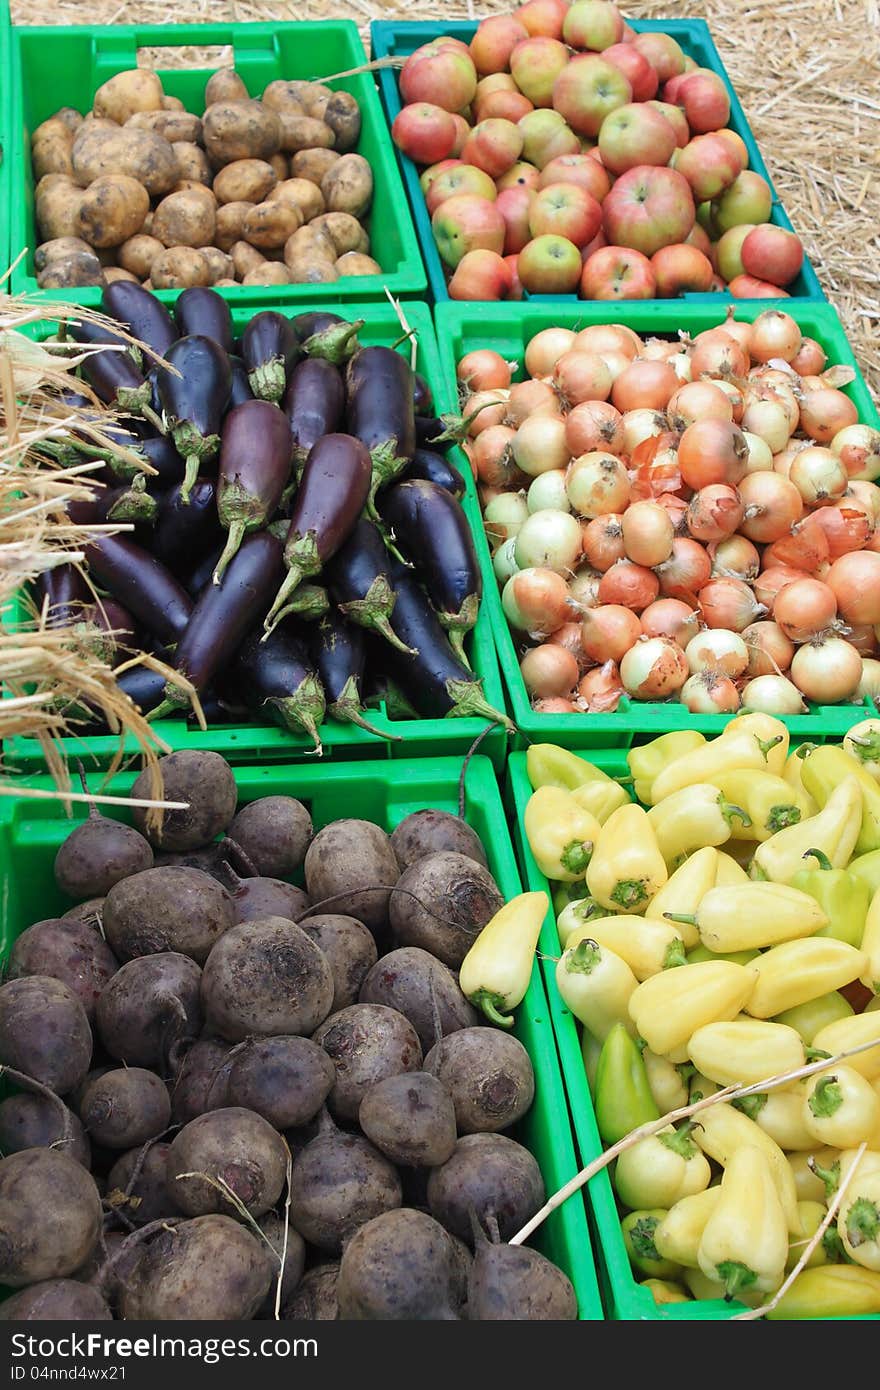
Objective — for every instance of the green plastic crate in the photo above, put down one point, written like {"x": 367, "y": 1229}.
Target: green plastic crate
{"x": 63, "y": 66}
{"x": 258, "y": 742}
{"x": 5, "y": 139}
{"x": 508, "y": 329}
{"x": 624, "y": 1298}
{"x": 31, "y": 832}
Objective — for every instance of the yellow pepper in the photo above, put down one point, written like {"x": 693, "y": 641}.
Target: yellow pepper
{"x": 798, "y": 971}
{"x": 792, "y": 774}
{"x": 744, "y": 1244}
{"x": 862, "y": 742}
{"x": 561, "y": 834}
{"x": 685, "y": 889}
{"x": 702, "y": 952}
{"x": 650, "y": 759}
{"x": 815, "y": 1014}
{"x": 638, "y": 1238}
{"x": 699, "y": 1086}
{"x": 743, "y": 1052}
{"x": 841, "y": 1108}
{"x": 834, "y": 831}
{"x": 723, "y": 1131}
{"x": 871, "y": 946}
{"x": 591, "y": 1049}
{"x": 835, "y": 1163}
{"x": 812, "y": 1215}
{"x": 575, "y": 916}
{"x": 702, "y": 1288}
{"x": 769, "y": 801}
{"x": 772, "y": 732}
{"x": 596, "y": 985}
{"x": 858, "y": 1220}
{"x": 867, "y": 870}
{"x": 665, "y": 1082}
{"x": 831, "y": 1291}
{"x": 847, "y": 1033}
{"x": 808, "y": 1184}
{"x": 495, "y": 973}
{"x": 752, "y": 916}
{"x": 665, "y": 1291}
{"x": 693, "y": 818}
{"x": 627, "y": 868}
{"x": 728, "y": 872}
{"x": 873, "y": 1006}
{"x": 549, "y": 766}
{"x": 668, "y": 1008}
{"x": 647, "y": 946}
{"x": 679, "y": 1234}
{"x": 824, "y": 769}
{"x": 601, "y": 799}
{"x": 779, "y": 1113}
{"x": 660, "y": 1170}
{"x": 730, "y": 751}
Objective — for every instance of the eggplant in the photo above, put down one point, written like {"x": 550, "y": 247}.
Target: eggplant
{"x": 144, "y": 586}
{"x": 434, "y": 468}
{"x": 94, "y": 333}
{"x": 423, "y": 399}
{"x": 187, "y": 531}
{"x": 278, "y": 678}
{"x": 434, "y": 679}
{"x": 114, "y": 376}
{"x": 63, "y": 590}
{"x": 253, "y": 472}
{"x": 204, "y": 312}
{"x": 333, "y": 489}
{"x": 241, "y": 390}
{"x": 195, "y": 400}
{"x": 359, "y": 576}
{"x": 270, "y": 348}
{"x": 314, "y": 404}
{"x": 379, "y": 400}
{"x": 142, "y": 314}
{"x": 201, "y": 573}
{"x": 340, "y": 653}
{"x": 223, "y": 615}
{"x": 432, "y": 531}
{"x": 440, "y": 432}
{"x": 161, "y": 454}
{"x": 144, "y": 686}
{"x": 315, "y": 321}
{"x": 116, "y": 625}
{"x": 335, "y": 342}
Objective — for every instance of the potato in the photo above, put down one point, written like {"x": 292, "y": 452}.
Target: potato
{"x": 71, "y": 273}
{"x": 147, "y": 228}
{"x": 304, "y": 271}
{"x": 271, "y": 224}
{"x": 227, "y": 283}
{"x": 219, "y": 263}
{"x": 240, "y": 130}
{"x": 140, "y": 154}
{"x": 284, "y": 96}
{"x": 137, "y": 89}
{"x": 303, "y": 133}
{"x": 92, "y": 122}
{"x": 356, "y": 263}
{"x": 52, "y": 148}
{"x": 244, "y": 181}
{"x": 210, "y": 1268}
{"x": 194, "y": 185}
{"x": 313, "y": 164}
{"x": 281, "y": 165}
{"x": 112, "y": 210}
{"x": 138, "y": 254}
{"x": 172, "y": 104}
{"x": 343, "y": 115}
{"x": 112, "y": 273}
{"x": 225, "y": 85}
{"x": 348, "y": 186}
{"x": 186, "y": 218}
{"x": 230, "y": 224}
{"x": 310, "y": 244}
{"x": 59, "y": 249}
{"x": 173, "y": 125}
{"x": 57, "y": 203}
{"x": 246, "y": 258}
{"x": 268, "y": 273}
{"x": 192, "y": 162}
{"x": 302, "y": 193}
{"x": 344, "y": 231}
{"x": 70, "y": 117}
{"x": 180, "y": 268}
{"x": 315, "y": 97}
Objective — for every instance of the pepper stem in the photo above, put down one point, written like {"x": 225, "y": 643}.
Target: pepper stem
{"x": 826, "y": 1098}
{"x": 675, "y": 955}
{"x": 491, "y": 1004}
{"x": 234, "y": 539}
{"x": 629, "y": 893}
{"x": 829, "y": 1176}
{"x": 867, "y": 749}
{"x": 583, "y": 958}
{"x": 781, "y": 817}
{"x": 766, "y": 744}
{"x": 823, "y": 861}
{"x": 731, "y": 812}
{"x": 734, "y": 1275}
{"x": 279, "y": 608}
{"x": 751, "y": 1105}
{"x": 687, "y": 917}
{"x": 862, "y": 1221}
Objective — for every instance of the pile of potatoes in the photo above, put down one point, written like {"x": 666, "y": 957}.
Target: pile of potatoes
{"x": 240, "y": 1098}
{"x": 255, "y": 192}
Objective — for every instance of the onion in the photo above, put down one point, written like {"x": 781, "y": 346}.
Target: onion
{"x": 644, "y": 386}
{"x": 570, "y": 637}
{"x": 648, "y": 533}
{"x": 805, "y": 608}
{"x": 774, "y": 334}
{"x": 773, "y": 695}
{"x": 734, "y": 558}
{"x": 712, "y": 451}
{"x": 536, "y": 601}
{"x": 597, "y": 484}
{"x": 819, "y": 476}
{"x": 584, "y": 588}
{"x": 581, "y": 376}
{"x": 483, "y": 370}
{"x": 858, "y": 448}
{"x": 609, "y": 337}
{"x": 759, "y": 458}
{"x": 547, "y": 492}
{"x": 529, "y": 398}
{"x": 728, "y": 603}
{"x": 603, "y": 541}
{"x": 717, "y": 649}
{"x": 714, "y": 512}
{"x": 848, "y": 525}
{"x": 677, "y": 509}
{"x": 539, "y": 445}
{"x": 616, "y": 362}
{"x": 734, "y": 395}
{"x": 805, "y": 548}
{"x": 504, "y": 516}
{"x": 770, "y": 651}
{"x": 827, "y": 670}
{"x": 710, "y": 693}
{"x": 770, "y": 581}
{"x": 810, "y": 357}
{"x": 600, "y": 690}
{"x": 653, "y": 669}
{"x": 740, "y": 332}
{"x": 680, "y": 362}
{"x": 631, "y": 585}
{"x": 868, "y": 494}
{"x": 855, "y": 581}
{"x": 772, "y": 506}
{"x": 869, "y": 686}
{"x": 546, "y": 348}
{"x": 658, "y": 349}
{"x": 549, "y": 540}
{"x": 639, "y": 425}
{"x": 769, "y": 420}
{"x": 594, "y": 426}
{"x": 549, "y": 670}
{"x": 670, "y": 617}
{"x": 686, "y": 571}
{"x": 863, "y": 636}
{"x": 492, "y": 456}
{"x": 698, "y": 400}
{"x": 484, "y": 413}
{"x": 555, "y": 705}
{"x": 608, "y": 632}
{"x": 716, "y": 353}
{"x": 504, "y": 561}
{"x": 825, "y": 412}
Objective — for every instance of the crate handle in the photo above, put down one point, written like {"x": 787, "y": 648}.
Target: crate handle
{"x": 117, "y": 48}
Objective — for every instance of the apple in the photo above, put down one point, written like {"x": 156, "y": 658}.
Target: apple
{"x": 599, "y": 240}
{"x": 736, "y": 143}
{"x": 747, "y": 287}
{"x": 543, "y": 18}
{"x": 592, "y": 24}
{"x": 673, "y": 86}
{"x": 588, "y": 90}
{"x": 681, "y": 269}
{"x": 495, "y": 82}
{"x": 444, "y": 78}
{"x": 662, "y": 52}
{"x": 535, "y": 65}
{"x": 427, "y": 176}
{"x": 705, "y": 101}
{"x": 676, "y": 118}
{"x": 494, "y": 146}
{"x": 467, "y": 223}
{"x": 494, "y": 41}
{"x": 522, "y": 175}
{"x": 516, "y": 289}
{"x": 462, "y": 178}
{"x": 648, "y": 208}
{"x": 706, "y": 218}
{"x": 629, "y": 33}
{"x": 462, "y": 131}
{"x": 635, "y": 134}
{"x": 505, "y": 106}
{"x": 728, "y": 251}
{"x": 549, "y": 265}
{"x": 566, "y": 210}
{"x": 773, "y": 254}
{"x": 748, "y": 199}
{"x": 709, "y": 165}
{"x": 480, "y": 274}
{"x": 636, "y": 68}
{"x": 514, "y": 204}
{"x": 617, "y": 272}
{"x": 424, "y": 132}
{"x": 699, "y": 237}
{"x": 546, "y": 136}
{"x": 577, "y": 168}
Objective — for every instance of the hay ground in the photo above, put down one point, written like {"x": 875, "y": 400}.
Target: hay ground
{"x": 806, "y": 71}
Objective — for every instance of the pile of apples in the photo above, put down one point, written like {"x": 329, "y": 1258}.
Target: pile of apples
{"x": 565, "y": 153}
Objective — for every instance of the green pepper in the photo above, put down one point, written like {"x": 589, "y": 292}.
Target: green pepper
{"x": 810, "y": 1018}
{"x": 623, "y": 1093}
{"x": 550, "y": 766}
{"x": 703, "y": 953}
{"x": 638, "y": 1236}
{"x": 824, "y": 769}
{"x": 867, "y": 870}
{"x": 845, "y": 899}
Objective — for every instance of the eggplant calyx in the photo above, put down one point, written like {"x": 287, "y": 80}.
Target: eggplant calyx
{"x": 196, "y": 449}
{"x": 303, "y": 711}
{"x": 348, "y": 710}
{"x": 268, "y": 380}
{"x": 459, "y": 624}
{"x": 468, "y": 701}
{"x": 387, "y": 464}
{"x": 310, "y": 602}
{"x": 374, "y": 611}
{"x": 135, "y": 504}
{"x": 303, "y": 561}
{"x": 335, "y": 344}
{"x": 137, "y": 400}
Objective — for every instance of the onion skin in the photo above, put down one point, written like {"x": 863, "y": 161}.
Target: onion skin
{"x": 654, "y": 669}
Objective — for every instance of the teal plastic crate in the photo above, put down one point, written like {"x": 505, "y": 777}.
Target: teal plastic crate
{"x": 258, "y": 742}
{"x": 31, "y": 832}
{"x": 508, "y": 329}
{"x": 393, "y": 39}
{"x": 63, "y": 66}
{"x": 623, "y": 1296}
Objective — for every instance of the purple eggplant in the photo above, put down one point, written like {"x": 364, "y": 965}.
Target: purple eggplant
{"x": 186, "y": 532}
{"x": 339, "y": 649}
{"x": 360, "y": 581}
{"x": 205, "y": 312}
{"x": 253, "y": 472}
{"x": 436, "y": 469}
{"x": 63, "y": 590}
{"x": 423, "y": 399}
{"x": 200, "y": 574}
{"x": 141, "y": 313}
{"x": 314, "y": 404}
{"x": 379, "y": 399}
{"x": 113, "y": 375}
{"x": 161, "y": 454}
{"x": 270, "y": 347}
{"x": 144, "y": 686}
{"x": 223, "y": 615}
{"x": 143, "y": 585}
{"x": 430, "y": 528}
{"x": 315, "y": 321}
{"x": 241, "y": 389}
{"x": 277, "y": 678}
{"x": 117, "y": 627}
{"x": 333, "y": 489}
{"x": 194, "y": 400}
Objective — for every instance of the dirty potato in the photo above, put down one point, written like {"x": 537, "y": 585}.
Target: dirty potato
{"x": 313, "y": 164}
{"x": 71, "y": 272}
{"x": 179, "y": 268}
{"x": 219, "y": 263}
{"x": 172, "y": 104}
{"x": 348, "y": 186}
{"x": 244, "y": 181}
{"x": 304, "y": 194}
{"x": 140, "y": 154}
{"x": 240, "y": 130}
{"x": 57, "y": 202}
{"x": 268, "y": 225}
{"x": 59, "y": 249}
{"x": 52, "y": 148}
{"x": 310, "y": 243}
{"x": 172, "y": 125}
{"x": 70, "y": 117}
{"x": 356, "y": 263}
{"x": 121, "y": 96}
{"x": 245, "y": 258}
{"x": 230, "y": 224}
{"x": 138, "y": 254}
{"x": 192, "y": 162}
{"x": 112, "y": 210}
{"x": 281, "y": 95}
{"x": 343, "y": 115}
{"x": 345, "y": 231}
{"x": 186, "y": 218}
{"x": 225, "y": 85}
{"x": 314, "y": 98}
{"x": 304, "y": 133}
{"x": 269, "y": 273}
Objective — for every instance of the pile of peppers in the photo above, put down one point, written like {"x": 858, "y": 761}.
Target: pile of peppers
{"x": 718, "y": 913}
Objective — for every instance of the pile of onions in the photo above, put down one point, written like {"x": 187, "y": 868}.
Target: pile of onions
{"x": 696, "y": 520}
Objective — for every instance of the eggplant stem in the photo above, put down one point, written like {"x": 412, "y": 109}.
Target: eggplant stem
{"x": 237, "y": 532}
{"x": 189, "y": 478}
{"x": 152, "y": 418}
{"x": 279, "y": 607}
{"x": 456, "y": 641}
{"x": 348, "y": 711}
